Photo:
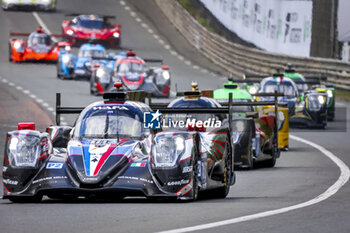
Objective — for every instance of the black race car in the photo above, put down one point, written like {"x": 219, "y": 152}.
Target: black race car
{"x": 115, "y": 149}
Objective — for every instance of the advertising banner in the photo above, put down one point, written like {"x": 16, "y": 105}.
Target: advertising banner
{"x": 280, "y": 26}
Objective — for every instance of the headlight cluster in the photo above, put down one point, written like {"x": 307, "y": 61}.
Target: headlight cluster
{"x": 166, "y": 75}
{"x": 329, "y": 93}
{"x": 70, "y": 32}
{"x": 18, "y": 46}
{"x": 65, "y": 59}
{"x": 167, "y": 150}
{"x": 25, "y": 151}
{"x": 321, "y": 99}
{"x": 116, "y": 35}
{"x": 100, "y": 73}
{"x": 253, "y": 90}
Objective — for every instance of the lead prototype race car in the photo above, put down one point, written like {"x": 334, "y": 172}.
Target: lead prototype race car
{"x": 111, "y": 153}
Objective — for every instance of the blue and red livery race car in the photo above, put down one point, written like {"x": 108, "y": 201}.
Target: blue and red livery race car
{"x": 83, "y": 28}
{"x": 38, "y": 47}
{"x": 110, "y": 153}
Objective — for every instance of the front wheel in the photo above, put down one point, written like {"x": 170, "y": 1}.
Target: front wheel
{"x": 93, "y": 88}
{"x": 10, "y": 53}
{"x": 223, "y": 191}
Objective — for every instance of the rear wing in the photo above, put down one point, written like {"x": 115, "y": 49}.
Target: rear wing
{"x": 153, "y": 60}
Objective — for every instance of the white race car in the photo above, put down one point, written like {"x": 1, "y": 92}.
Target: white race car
{"x": 45, "y": 5}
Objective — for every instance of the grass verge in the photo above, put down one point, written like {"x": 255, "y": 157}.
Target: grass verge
{"x": 342, "y": 95}
{"x": 196, "y": 13}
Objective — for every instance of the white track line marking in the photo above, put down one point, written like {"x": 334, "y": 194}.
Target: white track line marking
{"x": 43, "y": 25}
{"x": 343, "y": 178}
{"x": 122, "y": 3}
{"x": 34, "y": 97}
{"x": 132, "y": 13}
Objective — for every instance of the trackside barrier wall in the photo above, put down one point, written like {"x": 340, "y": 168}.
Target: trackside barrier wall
{"x": 238, "y": 59}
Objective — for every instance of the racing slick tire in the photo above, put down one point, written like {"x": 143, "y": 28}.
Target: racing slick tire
{"x": 93, "y": 89}
{"x": 59, "y": 75}
{"x": 250, "y": 156}
{"x": 223, "y": 191}
{"x": 195, "y": 178}
{"x": 10, "y": 53}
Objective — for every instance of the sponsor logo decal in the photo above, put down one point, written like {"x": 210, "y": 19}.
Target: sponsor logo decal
{"x": 49, "y": 178}
{"x": 136, "y": 179}
{"x": 154, "y": 120}
{"x": 151, "y": 120}
{"x": 187, "y": 169}
{"x": 54, "y": 165}
{"x": 8, "y": 181}
{"x": 178, "y": 182}
{"x": 138, "y": 165}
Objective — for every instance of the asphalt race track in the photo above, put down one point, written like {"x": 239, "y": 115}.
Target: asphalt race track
{"x": 27, "y": 93}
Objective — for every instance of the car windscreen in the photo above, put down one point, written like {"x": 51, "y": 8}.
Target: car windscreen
{"x": 109, "y": 123}
{"x": 92, "y": 53}
{"x": 39, "y": 39}
{"x": 90, "y": 23}
{"x": 285, "y": 87}
{"x": 133, "y": 67}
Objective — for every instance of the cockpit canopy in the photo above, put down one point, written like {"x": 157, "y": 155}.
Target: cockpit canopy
{"x": 92, "y": 51}
{"x": 110, "y": 121}
{"x": 129, "y": 65}
{"x": 285, "y": 86}
{"x": 36, "y": 38}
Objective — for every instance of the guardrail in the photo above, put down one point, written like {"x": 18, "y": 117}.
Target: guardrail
{"x": 238, "y": 59}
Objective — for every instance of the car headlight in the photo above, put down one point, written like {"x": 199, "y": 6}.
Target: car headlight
{"x": 100, "y": 73}
{"x": 329, "y": 93}
{"x": 116, "y": 35}
{"x": 321, "y": 99}
{"x": 253, "y": 90}
{"x": 88, "y": 64}
{"x": 167, "y": 150}
{"x": 67, "y": 48}
{"x": 70, "y": 32}
{"x": 24, "y": 151}
{"x": 166, "y": 75}
{"x": 17, "y": 45}
{"x": 65, "y": 58}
